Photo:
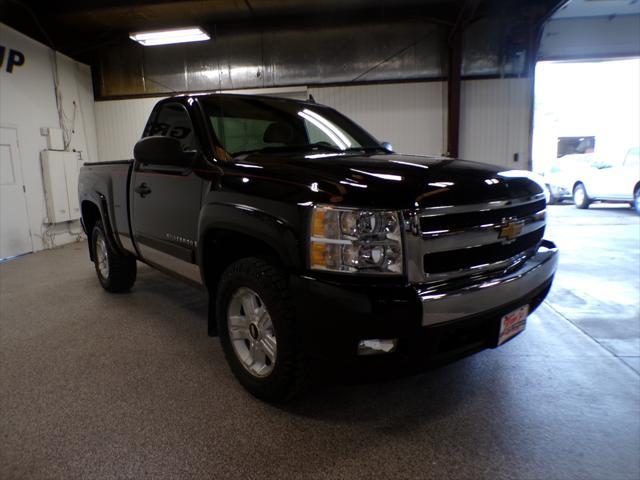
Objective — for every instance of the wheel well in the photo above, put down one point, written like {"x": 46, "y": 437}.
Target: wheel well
{"x": 90, "y": 215}
{"x": 636, "y": 188}
{"x": 222, "y": 247}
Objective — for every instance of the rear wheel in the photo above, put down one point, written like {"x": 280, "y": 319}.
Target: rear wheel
{"x": 580, "y": 197}
{"x": 257, "y": 330}
{"x": 116, "y": 272}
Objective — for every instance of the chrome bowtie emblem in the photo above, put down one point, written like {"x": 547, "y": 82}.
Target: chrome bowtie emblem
{"x": 510, "y": 229}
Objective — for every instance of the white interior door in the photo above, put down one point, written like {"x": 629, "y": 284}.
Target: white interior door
{"x": 15, "y": 237}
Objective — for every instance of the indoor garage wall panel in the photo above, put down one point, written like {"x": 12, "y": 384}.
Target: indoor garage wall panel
{"x": 411, "y": 116}
{"x": 120, "y": 122}
{"x": 27, "y": 104}
{"x": 495, "y": 121}
{"x": 119, "y": 126}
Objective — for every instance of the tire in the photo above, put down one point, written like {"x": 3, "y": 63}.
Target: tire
{"x": 580, "y": 197}
{"x": 553, "y": 200}
{"x": 264, "y": 352}
{"x": 636, "y": 201}
{"x": 116, "y": 272}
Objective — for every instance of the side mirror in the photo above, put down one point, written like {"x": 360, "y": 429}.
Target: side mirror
{"x": 160, "y": 150}
{"x": 387, "y": 146}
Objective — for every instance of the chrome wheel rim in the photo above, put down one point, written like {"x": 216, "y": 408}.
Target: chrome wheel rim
{"x": 579, "y": 195}
{"x": 102, "y": 256}
{"x": 251, "y": 332}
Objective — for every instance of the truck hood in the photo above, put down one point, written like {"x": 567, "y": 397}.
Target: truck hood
{"x": 380, "y": 180}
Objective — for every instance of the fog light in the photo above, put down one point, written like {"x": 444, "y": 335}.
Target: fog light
{"x": 376, "y": 346}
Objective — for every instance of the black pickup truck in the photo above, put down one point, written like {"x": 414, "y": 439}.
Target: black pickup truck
{"x": 315, "y": 242}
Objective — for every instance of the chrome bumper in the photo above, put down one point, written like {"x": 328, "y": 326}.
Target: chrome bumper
{"x": 440, "y": 304}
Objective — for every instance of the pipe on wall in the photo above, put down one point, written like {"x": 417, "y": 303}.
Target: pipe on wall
{"x": 270, "y": 58}
{"x": 367, "y": 52}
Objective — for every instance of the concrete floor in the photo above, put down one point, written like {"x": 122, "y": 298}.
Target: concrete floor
{"x": 95, "y": 385}
{"x": 598, "y": 284}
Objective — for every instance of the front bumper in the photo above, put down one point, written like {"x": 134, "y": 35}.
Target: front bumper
{"x": 444, "y": 303}
{"x": 432, "y": 322}
{"x": 559, "y": 193}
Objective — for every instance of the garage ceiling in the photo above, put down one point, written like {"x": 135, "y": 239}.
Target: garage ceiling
{"x": 76, "y": 27}
{"x": 270, "y": 43}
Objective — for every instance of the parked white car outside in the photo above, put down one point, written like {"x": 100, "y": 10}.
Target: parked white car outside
{"x": 604, "y": 182}
{"x": 562, "y": 175}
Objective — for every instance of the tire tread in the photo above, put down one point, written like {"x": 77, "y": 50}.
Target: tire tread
{"x": 122, "y": 268}
{"x": 295, "y": 366}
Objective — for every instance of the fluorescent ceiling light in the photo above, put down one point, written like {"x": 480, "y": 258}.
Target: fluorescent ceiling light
{"x": 165, "y": 37}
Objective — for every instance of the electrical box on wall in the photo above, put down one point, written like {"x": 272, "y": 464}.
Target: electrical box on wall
{"x": 55, "y": 139}
{"x": 60, "y": 173}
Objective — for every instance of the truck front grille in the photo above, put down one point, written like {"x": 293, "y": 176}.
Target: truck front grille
{"x": 454, "y": 241}
{"x": 437, "y": 222}
{"x": 478, "y": 256}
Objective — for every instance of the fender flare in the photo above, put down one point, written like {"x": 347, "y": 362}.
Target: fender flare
{"x": 100, "y": 201}
{"x": 277, "y": 233}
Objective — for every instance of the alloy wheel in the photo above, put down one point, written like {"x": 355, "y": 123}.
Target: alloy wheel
{"x": 252, "y": 333}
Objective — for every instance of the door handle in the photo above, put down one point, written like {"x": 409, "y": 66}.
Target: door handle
{"x": 142, "y": 189}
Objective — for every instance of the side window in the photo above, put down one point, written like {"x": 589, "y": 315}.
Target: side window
{"x": 240, "y": 134}
{"x": 173, "y": 121}
{"x": 321, "y": 130}
{"x": 316, "y": 135}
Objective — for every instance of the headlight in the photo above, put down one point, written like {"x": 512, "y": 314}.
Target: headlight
{"x": 348, "y": 240}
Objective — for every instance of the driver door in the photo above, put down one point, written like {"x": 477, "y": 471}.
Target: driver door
{"x": 166, "y": 199}
{"x": 608, "y": 181}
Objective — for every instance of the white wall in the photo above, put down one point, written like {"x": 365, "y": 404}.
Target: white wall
{"x": 495, "y": 121}
{"x": 495, "y": 118}
{"x": 120, "y": 122}
{"x": 28, "y": 102}
{"x": 119, "y": 126}
{"x": 411, "y": 116}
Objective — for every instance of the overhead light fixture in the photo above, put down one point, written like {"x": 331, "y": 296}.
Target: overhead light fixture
{"x": 174, "y": 35}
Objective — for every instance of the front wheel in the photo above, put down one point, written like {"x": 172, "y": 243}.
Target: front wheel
{"x": 116, "y": 271}
{"x": 580, "y": 197}
{"x": 258, "y": 331}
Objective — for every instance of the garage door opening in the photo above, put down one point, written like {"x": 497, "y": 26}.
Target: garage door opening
{"x": 587, "y": 129}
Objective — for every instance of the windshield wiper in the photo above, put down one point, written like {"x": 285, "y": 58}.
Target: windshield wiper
{"x": 260, "y": 150}
{"x": 324, "y": 146}
{"x": 365, "y": 149}
{"x": 290, "y": 148}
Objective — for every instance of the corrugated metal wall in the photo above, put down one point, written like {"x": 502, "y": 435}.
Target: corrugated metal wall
{"x": 410, "y": 115}
{"x": 390, "y": 50}
{"x": 495, "y": 118}
{"x": 119, "y": 125}
{"x": 495, "y": 121}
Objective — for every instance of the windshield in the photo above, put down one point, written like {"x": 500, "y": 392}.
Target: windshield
{"x": 244, "y": 124}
